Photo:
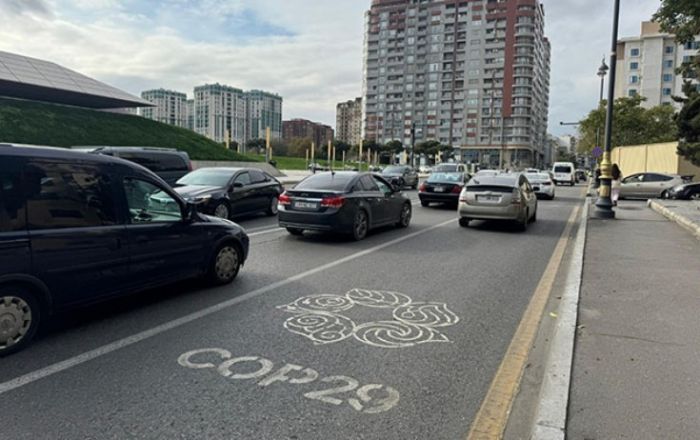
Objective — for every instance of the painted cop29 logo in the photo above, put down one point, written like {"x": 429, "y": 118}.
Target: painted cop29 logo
{"x": 321, "y": 319}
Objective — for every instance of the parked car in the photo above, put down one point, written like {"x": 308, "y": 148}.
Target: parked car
{"x": 450, "y": 168}
{"x": 425, "y": 169}
{"x": 229, "y": 192}
{"x": 401, "y": 175}
{"x": 482, "y": 173}
{"x": 317, "y": 167}
{"x": 501, "y": 197}
{"x": 344, "y": 202}
{"x": 442, "y": 188}
{"x": 543, "y": 185}
{"x": 532, "y": 171}
{"x": 77, "y": 229}
{"x": 686, "y": 191}
{"x": 564, "y": 173}
{"x": 649, "y": 185}
{"x": 168, "y": 163}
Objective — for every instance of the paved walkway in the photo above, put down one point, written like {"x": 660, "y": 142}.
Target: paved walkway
{"x": 636, "y": 361}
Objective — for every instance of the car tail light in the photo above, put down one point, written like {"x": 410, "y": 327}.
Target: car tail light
{"x": 333, "y": 202}
{"x": 189, "y": 165}
{"x": 516, "y": 197}
{"x": 284, "y": 199}
{"x": 422, "y": 187}
{"x": 456, "y": 189}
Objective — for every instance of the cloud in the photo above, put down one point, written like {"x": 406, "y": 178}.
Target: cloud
{"x": 308, "y": 51}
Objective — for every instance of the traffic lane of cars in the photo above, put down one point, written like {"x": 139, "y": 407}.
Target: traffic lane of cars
{"x": 272, "y": 256}
{"x": 143, "y": 391}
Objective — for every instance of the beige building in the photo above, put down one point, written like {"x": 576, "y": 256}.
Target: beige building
{"x": 348, "y": 121}
{"x": 646, "y": 65}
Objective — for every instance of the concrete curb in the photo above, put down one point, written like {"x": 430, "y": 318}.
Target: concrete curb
{"x": 550, "y": 416}
{"x": 685, "y": 222}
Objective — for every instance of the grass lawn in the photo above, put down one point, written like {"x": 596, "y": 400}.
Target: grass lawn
{"x": 28, "y": 122}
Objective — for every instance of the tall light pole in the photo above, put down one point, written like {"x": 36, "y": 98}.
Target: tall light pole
{"x": 602, "y": 71}
{"x": 604, "y": 205}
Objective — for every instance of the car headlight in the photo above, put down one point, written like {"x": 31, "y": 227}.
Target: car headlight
{"x": 199, "y": 199}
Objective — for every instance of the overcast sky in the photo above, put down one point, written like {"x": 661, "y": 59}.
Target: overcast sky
{"x": 308, "y": 51}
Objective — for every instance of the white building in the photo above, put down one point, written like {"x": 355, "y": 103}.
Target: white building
{"x": 647, "y": 64}
{"x": 170, "y": 107}
{"x": 263, "y": 110}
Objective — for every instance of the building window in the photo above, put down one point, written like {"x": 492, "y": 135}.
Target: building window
{"x": 666, "y": 91}
{"x": 634, "y": 79}
{"x": 634, "y": 52}
{"x": 668, "y": 64}
{"x": 632, "y": 92}
{"x": 634, "y": 66}
{"x": 668, "y": 77}
{"x": 669, "y": 49}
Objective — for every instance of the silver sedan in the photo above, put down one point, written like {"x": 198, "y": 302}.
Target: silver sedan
{"x": 648, "y": 185}
{"x": 500, "y": 197}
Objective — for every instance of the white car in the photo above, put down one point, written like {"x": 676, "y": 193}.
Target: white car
{"x": 542, "y": 184}
{"x": 564, "y": 173}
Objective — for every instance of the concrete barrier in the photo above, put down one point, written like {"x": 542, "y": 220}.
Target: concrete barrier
{"x": 260, "y": 165}
{"x": 691, "y": 224}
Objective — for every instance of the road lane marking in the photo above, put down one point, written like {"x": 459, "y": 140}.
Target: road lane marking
{"x": 146, "y": 334}
{"x": 320, "y": 318}
{"x": 266, "y": 231}
{"x": 367, "y": 403}
{"x": 492, "y": 417}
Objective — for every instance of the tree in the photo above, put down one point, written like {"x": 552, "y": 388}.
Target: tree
{"x": 633, "y": 125}
{"x": 688, "y": 120}
{"x": 256, "y": 144}
{"x": 393, "y": 147}
{"x": 297, "y": 147}
{"x": 428, "y": 148}
{"x": 682, "y": 18}
{"x": 341, "y": 146}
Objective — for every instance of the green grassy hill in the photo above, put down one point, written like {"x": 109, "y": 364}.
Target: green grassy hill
{"x": 27, "y": 122}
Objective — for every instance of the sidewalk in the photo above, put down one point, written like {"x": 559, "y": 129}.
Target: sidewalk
{"x": 635, "y": 373}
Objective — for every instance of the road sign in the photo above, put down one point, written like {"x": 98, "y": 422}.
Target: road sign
{"x": 597, "y": 152}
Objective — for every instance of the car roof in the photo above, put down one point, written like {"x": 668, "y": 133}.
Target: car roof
{"x": 126, "y": 148}
{"x": 229, "y": 169}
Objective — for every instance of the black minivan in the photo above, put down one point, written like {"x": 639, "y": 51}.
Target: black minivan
{"x": 78, "y": 228}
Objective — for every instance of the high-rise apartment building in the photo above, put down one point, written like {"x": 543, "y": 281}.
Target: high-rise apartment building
{"x": 348, "y": 121}
{"x": 473, "y": 74}
{"x": 646, "y": 65}
{"x": 189, "y": 114}
{"x": 263, "y": 110}
{"x": 220, "y": 110}
{"x": 319, "y": 133}
{"x": 170, "y": 107}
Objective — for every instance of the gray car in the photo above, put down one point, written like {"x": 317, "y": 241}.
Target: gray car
{"x": 648, "y": 185}
{"x": 501, "y": 197}
{"x": 401, "y": 175}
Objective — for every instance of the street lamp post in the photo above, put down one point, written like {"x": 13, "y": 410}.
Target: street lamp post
{"x": 604, "y": 206}
{"x": 602, "y": 71}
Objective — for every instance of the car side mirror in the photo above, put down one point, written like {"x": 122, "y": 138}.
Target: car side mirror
{"x": 395, "y": 188}
{"x": 190, "y": 212}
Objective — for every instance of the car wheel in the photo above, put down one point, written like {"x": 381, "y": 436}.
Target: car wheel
{"x": 295, "y": 231}
{"x": 402, "y": 183}
{"x": 225, "y": 265}
{"x": 272, "y": 207}
{"x": 534, "y": 217}
{"x": 665, "y": 195}
{"x": 415, "y": 186}
{"x": 20, "y": 314}
{"x": 360, "y": 225}
{"x": 695, "y": 196}
{"x": 405, "y": 216}
{"x": 522, "y": 224}
{"x": 222, "y": 210}
{"x": 464, "y": 222}
{"x": 424, "y": 204}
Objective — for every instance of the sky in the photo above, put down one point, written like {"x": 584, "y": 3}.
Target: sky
{"x": 307, "y": 51}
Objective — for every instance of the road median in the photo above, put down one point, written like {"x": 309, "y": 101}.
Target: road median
{"x": 685, "y": 213}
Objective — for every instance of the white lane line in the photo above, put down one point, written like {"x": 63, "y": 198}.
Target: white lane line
{"x": 267, "y": 231}
{"x": 260, "y": 228}
{"x": 146, "y": 334}
{"x": 550, "y": 418}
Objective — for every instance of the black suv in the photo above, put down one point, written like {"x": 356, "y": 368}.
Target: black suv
{"x": 168, "y": 163}
{"x": 78, "y": 228}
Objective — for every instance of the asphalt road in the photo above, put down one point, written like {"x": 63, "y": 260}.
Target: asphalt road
{"x": 394, "y": 337}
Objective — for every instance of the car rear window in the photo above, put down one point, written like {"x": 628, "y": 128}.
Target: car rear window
{"x": 490, "y": 188}
{"x": 394, "y": 170}
{"x": 446, "y": 168}
{"x": 562, "y": 169}
{"x": 446, "y": 177}
{"x": 156, "y": 162}
{"x": 326, "y": 181}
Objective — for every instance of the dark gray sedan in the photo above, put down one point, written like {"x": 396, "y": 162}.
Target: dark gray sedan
{"x": 401, "y": 175}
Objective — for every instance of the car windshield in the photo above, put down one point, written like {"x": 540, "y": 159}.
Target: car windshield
{"x": 562, "y": 169}
{"x": 394, "y": 170}
{"x": 327, "y": 181}
{"x": 207, "y": 177}
{"x": 446, "y": 177}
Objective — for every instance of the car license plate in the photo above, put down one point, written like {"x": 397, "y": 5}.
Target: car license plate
{"x": 488, "y": 198}
{"x": 439, "y": 189}
{"x": 306, "y": 205}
